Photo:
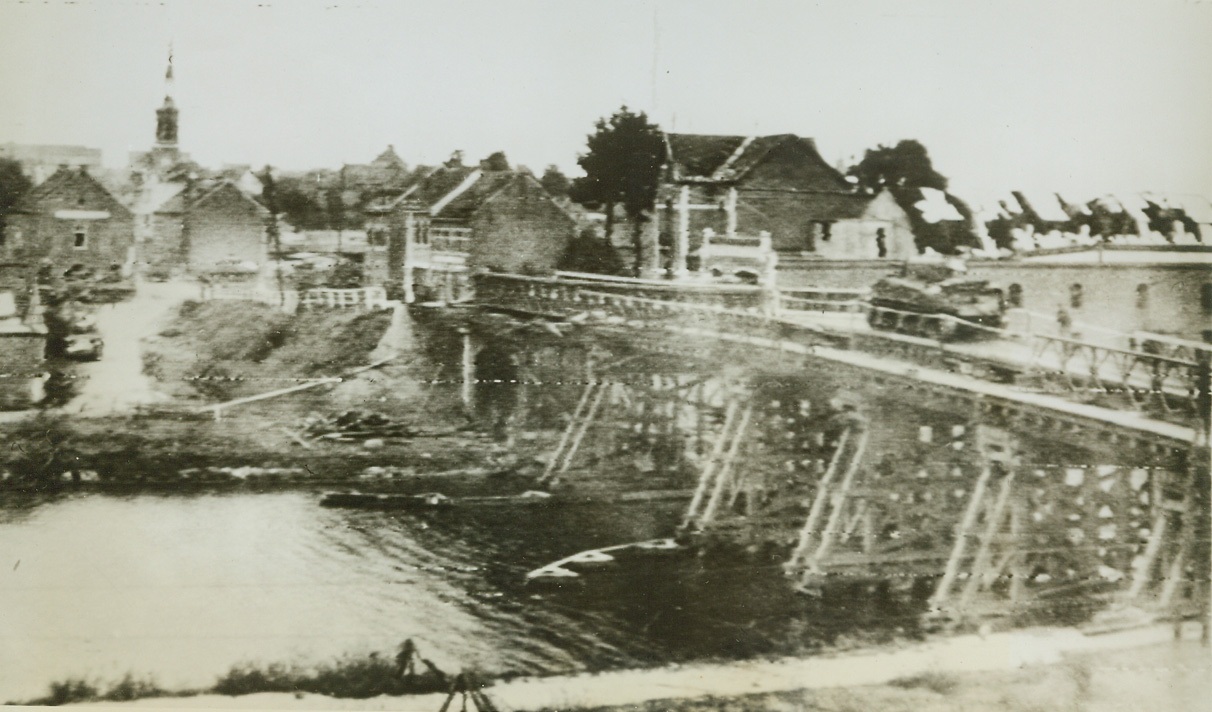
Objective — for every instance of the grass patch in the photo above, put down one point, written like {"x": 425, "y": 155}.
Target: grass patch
{"x": 76, "y": 690}
{"x": 939, "y": 682}
{"x": 357, "y": 677}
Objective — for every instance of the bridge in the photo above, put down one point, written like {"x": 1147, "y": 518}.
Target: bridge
{"x": 1000, "y": 474}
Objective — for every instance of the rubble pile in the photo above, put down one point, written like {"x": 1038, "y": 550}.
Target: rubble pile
{"x": 353, "y": 425}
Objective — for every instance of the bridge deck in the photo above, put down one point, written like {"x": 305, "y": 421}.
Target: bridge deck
{"x": 1176, "y": 434}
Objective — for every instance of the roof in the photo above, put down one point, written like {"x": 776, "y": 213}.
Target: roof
{"x": 65, "y": 179}
{"x": 470, "y": 200}
{"x": 153, "y": 198}
{"x": 699, "y": 155}
{"x": 835, "y": 206}
{"x": 438, "y": 184}
{"x": 707, "y": 157}
{"x": 182, "y": 200}
{"x": 389, "y": 159}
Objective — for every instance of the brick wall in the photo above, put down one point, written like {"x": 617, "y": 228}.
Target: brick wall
{"x": 520, "y": 229}
{"x": 163, "y": 249}
{"x": 225, "y": 227}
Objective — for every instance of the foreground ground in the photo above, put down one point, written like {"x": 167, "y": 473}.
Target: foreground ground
{"x": 1027, "y": 671}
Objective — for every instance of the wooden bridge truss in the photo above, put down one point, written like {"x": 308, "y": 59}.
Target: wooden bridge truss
{"x": 995, "y": 525}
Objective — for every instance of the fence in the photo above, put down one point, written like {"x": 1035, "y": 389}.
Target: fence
{"x": 286, "y": 299}
{"x": 364, "y": 297}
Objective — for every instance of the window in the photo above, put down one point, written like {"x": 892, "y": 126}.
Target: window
{"x": 1205, "y": 297}
{"x": 1016, "y": 295}
{"x": 826, "y": 230}
{"x": 881, "y": 242}
{"x": 1075, "y": 296}
{"x": 1142, "y": 296}
{"x": 80, "y": 237}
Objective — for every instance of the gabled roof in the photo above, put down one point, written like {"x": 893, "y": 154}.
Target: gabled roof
{"x": 389, "y": 159}
{"x": 183, "y": 200}
{"x": 438, "y": 184}
{"x": 706, "y": 157}
{"x": 458, "y": 192}
{"x": 481, "y": 191}
{"x": 69, "y": 179}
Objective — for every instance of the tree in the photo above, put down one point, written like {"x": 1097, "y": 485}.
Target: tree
{"x": 905, "y": 165}
{"x": 555, "y": 182}
{"x": 301, "y": 207}
{"x": 495, "y": 162}
{"x": 269, "y": 196}
{"x": 13, "y": 187}
{"x": 590, "y": 253}
{"x": 622, "y": 167}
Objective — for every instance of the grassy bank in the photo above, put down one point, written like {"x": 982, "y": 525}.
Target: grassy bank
{"x": 351, "y": 677}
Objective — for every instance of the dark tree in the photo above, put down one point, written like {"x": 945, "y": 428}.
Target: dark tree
{"x": 622, "y": 167}
{"x": 555, "y": 182}
{"x": 589, "y": 252}
{"x": 905, "y": 165}
{"x": 495, "y": 162}
{"x": 301, "y": 207}
{"x": 13, "y": 186}
{"x": 269, "y": 196}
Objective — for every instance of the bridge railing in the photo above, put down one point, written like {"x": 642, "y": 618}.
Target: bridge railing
{"x": 286, "y": 299}
{"x": 365, "y": 297}
{"x": 1127, "y": 377}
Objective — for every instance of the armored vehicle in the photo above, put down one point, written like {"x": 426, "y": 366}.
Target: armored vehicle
{"x": 936, "y": 300}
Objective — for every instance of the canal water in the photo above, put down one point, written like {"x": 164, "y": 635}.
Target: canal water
{"x": 184, "y": 587}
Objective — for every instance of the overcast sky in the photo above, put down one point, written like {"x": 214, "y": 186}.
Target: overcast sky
{"x": 1066, "y": 95}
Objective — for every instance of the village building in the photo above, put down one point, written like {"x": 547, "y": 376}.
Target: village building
{"x": 779, "y": 185}
{"x": 461, "y": 219}
{"x": 70, "y": 223}
{"x": 207, "y": 228}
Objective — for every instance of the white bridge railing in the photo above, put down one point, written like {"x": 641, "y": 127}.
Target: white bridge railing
{"x": 286, "y": 299}
{"x": 363, "y": 297}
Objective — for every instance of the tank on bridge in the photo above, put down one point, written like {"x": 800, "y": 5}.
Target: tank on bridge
{"x": 935, "y": 299}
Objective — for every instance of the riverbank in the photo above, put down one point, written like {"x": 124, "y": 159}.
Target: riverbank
{"x": 1022, "y": 671}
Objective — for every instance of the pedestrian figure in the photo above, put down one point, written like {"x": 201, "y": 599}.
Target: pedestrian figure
{"x": 1064, "y": 321}
{"x": 406, "y": 665}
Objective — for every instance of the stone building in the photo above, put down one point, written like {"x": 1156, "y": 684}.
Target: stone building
{"x": 209, "y": 227}
{"x": 70, "y": 221}
{"x": 460, "y": 219}
{"x": 738, "y": 185}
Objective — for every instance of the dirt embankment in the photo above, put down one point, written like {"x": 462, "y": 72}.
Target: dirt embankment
{"x": 230, "y": 349}
{"x": 217, "y": 351}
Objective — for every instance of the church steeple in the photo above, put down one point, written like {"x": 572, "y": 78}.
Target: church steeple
{"x": 166, "y": 115}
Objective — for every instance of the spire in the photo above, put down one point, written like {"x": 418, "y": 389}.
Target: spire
{"x": 166, "y": 115}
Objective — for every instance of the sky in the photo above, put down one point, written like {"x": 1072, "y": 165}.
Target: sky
{"x": 1076, "y": 96}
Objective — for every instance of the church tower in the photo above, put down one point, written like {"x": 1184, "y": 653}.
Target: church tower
{"x": 166, "y": 115}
